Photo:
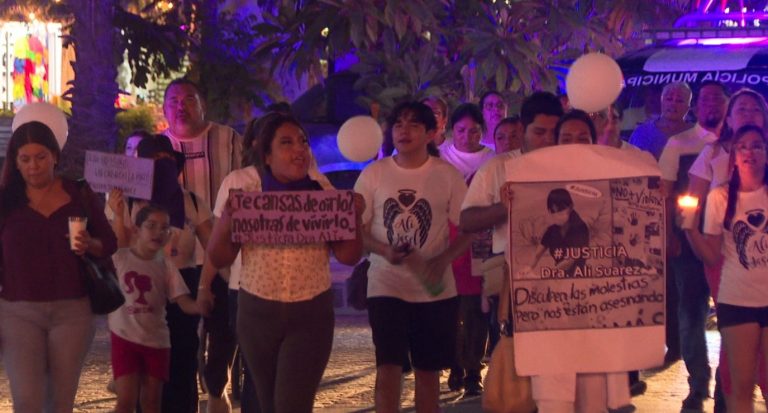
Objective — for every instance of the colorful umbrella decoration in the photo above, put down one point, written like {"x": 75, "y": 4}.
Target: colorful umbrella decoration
{"x": 30, "y": 71}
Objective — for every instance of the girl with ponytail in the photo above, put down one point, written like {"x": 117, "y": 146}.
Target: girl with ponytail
{"x": 736, "y": 232}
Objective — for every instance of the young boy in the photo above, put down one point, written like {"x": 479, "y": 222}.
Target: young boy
{"x": 412, "y": 302}
{"x": 140, "y": 338}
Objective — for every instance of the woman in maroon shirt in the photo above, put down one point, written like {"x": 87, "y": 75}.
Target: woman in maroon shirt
{"x": 46, "y": 324}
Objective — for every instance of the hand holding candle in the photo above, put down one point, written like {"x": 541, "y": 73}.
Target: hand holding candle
{"x": 688, "y": 205}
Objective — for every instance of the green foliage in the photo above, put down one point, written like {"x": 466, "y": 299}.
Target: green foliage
{"x": 130, "y": 120}
{"x": 409, "y": 49}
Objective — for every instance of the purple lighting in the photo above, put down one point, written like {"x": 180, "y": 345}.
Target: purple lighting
{"x": 723, "y": 41}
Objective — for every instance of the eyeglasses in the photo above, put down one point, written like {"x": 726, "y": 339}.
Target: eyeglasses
{"x": 755, "y": 147}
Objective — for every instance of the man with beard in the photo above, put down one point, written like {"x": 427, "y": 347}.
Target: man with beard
{"x": 693, "y": 305}
{"x": 212, "y": 151}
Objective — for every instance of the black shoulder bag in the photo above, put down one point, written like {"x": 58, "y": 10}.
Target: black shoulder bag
{"x": 100, "y": 274}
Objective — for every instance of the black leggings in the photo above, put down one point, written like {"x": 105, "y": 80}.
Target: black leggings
{"x": 286, "y": 347}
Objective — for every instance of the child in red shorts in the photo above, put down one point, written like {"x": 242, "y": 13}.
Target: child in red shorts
{"x": 140, "y": 339}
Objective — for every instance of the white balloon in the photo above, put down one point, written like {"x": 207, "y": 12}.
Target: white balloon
{"x": 360, "y": 138}
{"x": 594, "y": 81}
{"x": 46, "y": 113}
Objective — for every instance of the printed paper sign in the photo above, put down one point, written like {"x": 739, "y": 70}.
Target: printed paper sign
{"x": 105, "y": 171}
{"x": 587, "y": 262}
{"x": 292, "y": 217}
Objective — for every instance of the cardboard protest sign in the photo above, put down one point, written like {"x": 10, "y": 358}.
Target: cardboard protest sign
{"x": 105, "y": 171}
{"x": 292, "y": 217}
{"x": 587, "y": 241}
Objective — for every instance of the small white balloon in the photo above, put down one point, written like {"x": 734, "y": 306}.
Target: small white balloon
{"x": 360, "y": 138}
{"x": 594, "y": 81}
{"x": 45, "y": 113}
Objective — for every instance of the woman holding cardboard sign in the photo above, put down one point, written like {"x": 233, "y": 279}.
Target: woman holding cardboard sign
{"x": 285, "y": 307}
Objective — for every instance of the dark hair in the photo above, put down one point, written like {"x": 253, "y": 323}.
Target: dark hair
{"x": 138, "y": 132}
{"x": 559, "y": 199}
{"x": 512, "y": 120}
{"x": 468, "y": 110}
{"x": 440, "y": 102}
{"x": 13, "y": 184}
{"x": 488, "y": 94}
{"x": 576, "y": 114}
{"x": 183, "y": 81}
{"x": 540, "y": 103}
{"x": 727, "y": 131}
{"x": 264, "y": 133}
{"x": 735, "y": 182}
{"x": 715, "y": 83}
{"x": 148, "y": 210}
{"x": 252, "y": 130}
{"x": 421, "y": 113}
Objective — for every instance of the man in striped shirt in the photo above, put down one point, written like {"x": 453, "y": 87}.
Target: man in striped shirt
{"x": 212, "y": 151}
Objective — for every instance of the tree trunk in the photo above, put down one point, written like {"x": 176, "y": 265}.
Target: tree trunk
{"x": 94, "y": 88}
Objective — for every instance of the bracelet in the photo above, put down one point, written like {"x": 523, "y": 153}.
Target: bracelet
{"x": 203, "y": 287}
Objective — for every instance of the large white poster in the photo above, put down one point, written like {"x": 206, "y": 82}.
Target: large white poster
{"x": 587, "y": 260}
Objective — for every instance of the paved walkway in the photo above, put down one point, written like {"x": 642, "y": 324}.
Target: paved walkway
{"x": 349, "y": 378}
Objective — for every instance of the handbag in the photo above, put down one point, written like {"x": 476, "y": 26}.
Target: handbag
{"x": 102, "y": 286}
{"x": 505, "y": 391}
{"x": 100, "y": 273}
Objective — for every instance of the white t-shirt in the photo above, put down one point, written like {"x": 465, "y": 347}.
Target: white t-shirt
{"x": 484, "y": 191}
{"x": 744, "y": 278}
{"x": 712, "y": 165}
{"x": 147, "y": 285}
{"x": 466, "y": 163}
{"x": 412, "y": 206}
{"x": 248, "y": 179}
{"x": 688, "y": 142}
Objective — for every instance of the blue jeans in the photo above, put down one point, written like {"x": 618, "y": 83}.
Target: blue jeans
{"x": 693, "y": 308}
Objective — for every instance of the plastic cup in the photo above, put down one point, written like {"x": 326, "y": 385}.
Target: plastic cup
{"x": 688, "y": 204}
{"x": 76, "y": 224}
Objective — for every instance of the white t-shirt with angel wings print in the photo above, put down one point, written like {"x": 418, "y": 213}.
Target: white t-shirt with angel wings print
{"x": 745, "y": 247}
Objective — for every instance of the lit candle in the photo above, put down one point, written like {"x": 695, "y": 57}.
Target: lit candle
{"x": 688, "y": 204}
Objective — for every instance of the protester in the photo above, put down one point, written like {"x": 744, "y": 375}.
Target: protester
{"x": 139, "y": 333}
{"x": 440, "y": 109}
{"x": 247, "y": 179}
{"x": 482, "y": 209}
{"x": 191, "y": 222}
{"x": 467, "y": 154}
{"x": 211, "y": 151}
{"x": 286, "y": 355}
{"x": 730, "y": 232}
{"x": 132, "y": 141}
{"x": 607, "y": 125}
{"x": 508, "y": 135}
{"x": 494, "y": 109}
{"x": 652, "y": 135}
{"x": 46, "y": 323}
{"x": 411, "y": 290}
{"x": 710, "y": 170}
{"x": 693, "y": 294}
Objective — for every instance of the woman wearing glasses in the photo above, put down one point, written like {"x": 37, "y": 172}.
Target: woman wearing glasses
{"x": 735, "y": 230}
